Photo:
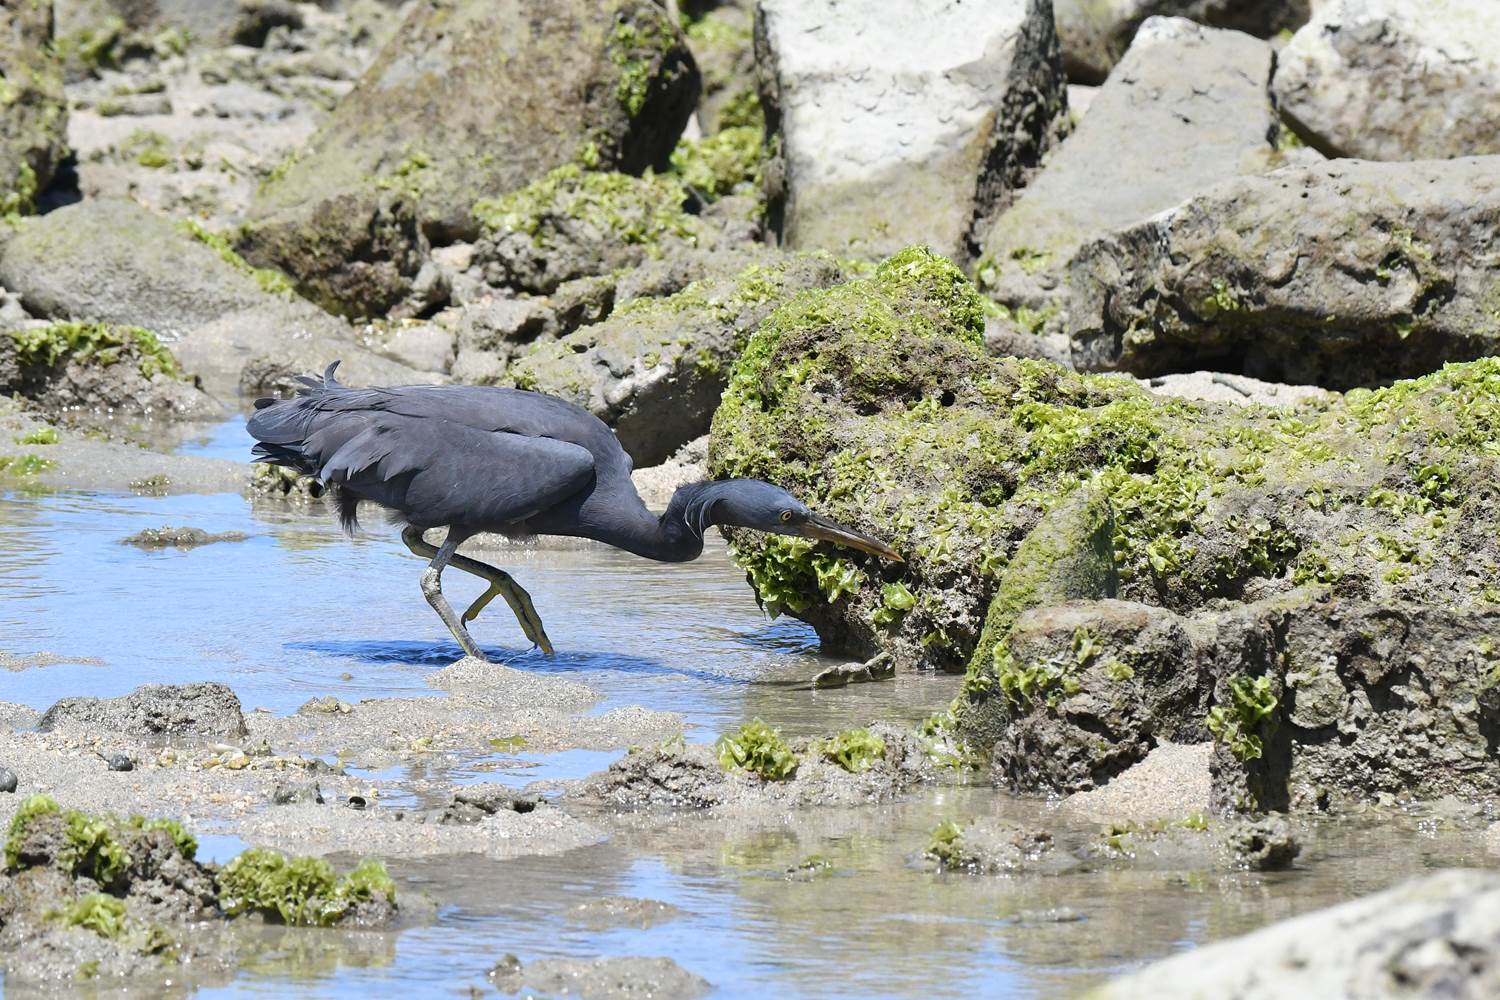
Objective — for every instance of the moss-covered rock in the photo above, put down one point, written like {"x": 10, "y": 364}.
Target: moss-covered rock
{"x": 874, "y": 402}
{"x": 33, "y": 110}
{"x": 469, "y": 100}
{"x": 655, "y": 369}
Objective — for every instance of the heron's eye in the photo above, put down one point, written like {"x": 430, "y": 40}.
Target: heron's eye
{"x": 786, "y": 516}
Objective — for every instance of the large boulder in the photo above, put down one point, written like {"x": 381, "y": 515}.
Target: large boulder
{"x": 1095, "y": 33}
{"x": 901, "y": 122}
{"x": 655, "y": 369}
{"x": 33, "y": 110}
{"x": 469, "y": 99}
{"x": 1435, "y": 936}
{"x": 1187, "y": 107}
{"x": 1343, "y": 274}
{"x": 1395, "y": 79}
{"x": 1011, "y": 484}
{"x": 115, "y": 262}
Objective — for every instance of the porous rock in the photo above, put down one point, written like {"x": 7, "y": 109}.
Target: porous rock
{"x": 901, "y": 122}
{"x": 206, "y": 709}
{"x": 1395, "y": 79}
{"x": 33, "y": 108}
{"x": 1342, "y": 274}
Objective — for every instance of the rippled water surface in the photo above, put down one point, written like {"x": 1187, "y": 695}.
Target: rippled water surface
{"x": 285, "y": 614}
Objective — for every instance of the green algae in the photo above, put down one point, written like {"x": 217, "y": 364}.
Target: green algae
{"x": 730, "y": 160}
{"x": 271, "y": 281}
{"x": 104, "y": 915}
{"x": 22, "y": 466}
{"x": 34, "y": 807}
{"x": 635, "y": 210}
{"x": 854, "y": 750}
{"x": 757, "y": 749}
{"x": 1246, "y": 719}
{"x": 20, "y": 198}
{"x": 637, "y": 50}
{"x": 97, "y": 343}
{"x": 945, "y": 844}
{"x": 299, "y": 891}
{"x": 42, "y": 435}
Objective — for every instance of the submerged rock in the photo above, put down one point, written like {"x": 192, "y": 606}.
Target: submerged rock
{"x": 351, "y": 217}
{"x": 33, "y": 108}
{"x": 599, "y": 978}
{"x": 1188, "y": 107}
{"x": 1434, "y": 936}
{"x": 1395, "y": 79}
{"x": 180, "y": 538}
{"x": 207, "y": 710}
{"x": 909, "y": 122}
{"x": 1343, "y": 274}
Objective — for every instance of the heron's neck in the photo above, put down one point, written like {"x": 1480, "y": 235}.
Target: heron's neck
{"x": 676, "y": 535}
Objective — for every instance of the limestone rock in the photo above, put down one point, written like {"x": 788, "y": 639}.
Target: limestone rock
{"x": 469, "y": 99}
{"x": 1344, "y": 274}
{"x": 1438, "y": 935}
{"x": 1187, "y": 107}
{"x": 1395, "y": 79}
{"x": 896, "y": 122}
{"x": 33, "y": 109}
{"x": 1095, "y": 33}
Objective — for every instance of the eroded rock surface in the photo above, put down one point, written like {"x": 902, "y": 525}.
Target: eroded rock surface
{"x": 1395, "y": 79}
{"x": 206, "y": 710}
{"x": 908, "y": 122}
{"x": 33, "y": 109}
{"x": 1342, "y": 274}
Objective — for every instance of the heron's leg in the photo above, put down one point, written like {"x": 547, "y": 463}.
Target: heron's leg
{"x": 432, "y": 589}
{"x": 502, "y": 584}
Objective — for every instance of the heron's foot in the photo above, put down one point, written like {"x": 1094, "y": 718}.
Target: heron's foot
{"x": 520, "y": 605}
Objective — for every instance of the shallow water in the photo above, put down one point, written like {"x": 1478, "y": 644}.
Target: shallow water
{"x": 282, "y": 616}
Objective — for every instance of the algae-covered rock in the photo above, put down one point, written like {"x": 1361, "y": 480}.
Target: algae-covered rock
{"x": 1395, "y": 79}
{"x": 205, "y": 710}
{"x": 874, "y": 401}
{"x": 903, "y": 121}
{"x": 112, "y": 261}
{"x": 1343, "y": 274}
{"x": 655, "y": 369}
{"x": 33, "y": 109}
{"x": 1189, "y": 107}
{"x": 97, "y": 370}
{"x": 469, "y": 100}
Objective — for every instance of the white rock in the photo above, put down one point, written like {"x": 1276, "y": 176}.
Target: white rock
{"x": 902, "y": 121}
{"x": 1396, "y": 79}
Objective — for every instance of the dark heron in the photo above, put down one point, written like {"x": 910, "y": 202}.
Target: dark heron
{"x": 472, "y": 459}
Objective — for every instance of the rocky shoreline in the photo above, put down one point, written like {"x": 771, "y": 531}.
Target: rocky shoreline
{"x": 1157, "y": 337}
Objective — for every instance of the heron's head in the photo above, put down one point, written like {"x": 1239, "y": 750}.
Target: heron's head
{"x": 753, "y": 503}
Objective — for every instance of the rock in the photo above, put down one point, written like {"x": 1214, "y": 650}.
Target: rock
{"x": 599, "y": 978}
{"x": 1188, "y": 106}
{"x": 1344, "y": 274}
{"x": 657, "y": 483}
{"x": 91, "y": 373}
{"x": 607, "y": 912}
{"x": 722, "y": 41}
{"x": 654, "y": 371}
{"x": 33, "y": 112}
{"x": 576, "y": 223}
{"x": 1170, "y": 783}
{"x": 425, "y": 347}
{"x": 1265, "y": 844}
{"x": 327, "y": 705}
{"x": 349, "y": 220}
{"x": 115, "y": 262}
{"x": 206, "y": 710}
{"x": 1438, "y": 935}
{"x": 1395, "y": 79}
{"x": 120, "y": 762}
{"x": 877, "y": 668}
{"x": 988, "y": 847}
{"x": 294, "y": 792}
{"x": 8, "y": 780}
{"x": 180, "y": 538}
{"x": 1094, "y": 34}
{"x": 909, "y": 123}
{"x": 1240, "y": 390}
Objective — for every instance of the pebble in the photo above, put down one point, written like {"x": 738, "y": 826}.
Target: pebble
{"x": 8, "y": 780}
{"x": 121, "y": 762}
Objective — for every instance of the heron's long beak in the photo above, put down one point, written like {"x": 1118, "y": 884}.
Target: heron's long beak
{"x": 823, "y": 529}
